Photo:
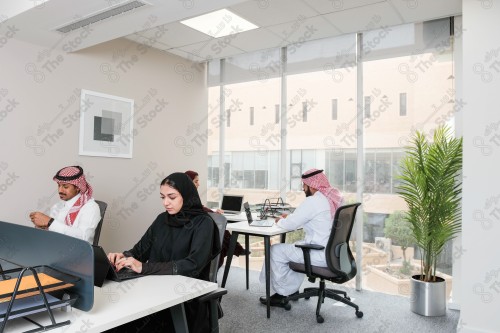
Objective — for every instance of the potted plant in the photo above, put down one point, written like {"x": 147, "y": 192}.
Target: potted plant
{"x": 431, "y": 186}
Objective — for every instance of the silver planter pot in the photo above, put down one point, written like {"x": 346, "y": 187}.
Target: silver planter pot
{"x": 428, "y": 298}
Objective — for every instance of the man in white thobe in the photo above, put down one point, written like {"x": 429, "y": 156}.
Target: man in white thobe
{"x": 77, "y": 214}
{"x": 315, "y": 216}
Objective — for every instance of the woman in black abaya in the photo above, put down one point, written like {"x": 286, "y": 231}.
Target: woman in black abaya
{"x": 176, "y": 243}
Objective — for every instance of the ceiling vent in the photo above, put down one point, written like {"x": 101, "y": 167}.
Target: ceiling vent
{"x": 101, "y": 15}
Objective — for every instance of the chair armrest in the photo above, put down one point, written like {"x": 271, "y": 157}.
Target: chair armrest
{"x": 217, "y": 293}
{"x": 306, "y": 251}
{"x": 215, "y": 310}
{"x": 310, "y": 246}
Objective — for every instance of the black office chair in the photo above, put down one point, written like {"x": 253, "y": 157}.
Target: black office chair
{"x": 97, "y": 233}
{"x": 221, "y": 222}
{"x": 214, "y": 298}
{"x": 341, "y": 265}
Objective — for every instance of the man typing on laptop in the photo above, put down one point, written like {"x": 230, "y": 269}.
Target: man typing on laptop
{"x": 315, "y": 216}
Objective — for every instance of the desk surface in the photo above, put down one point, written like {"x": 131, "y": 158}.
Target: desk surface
{"x": 117, "y": 303}
{"x": 233, "y": 218}
{"x": 236, "y": 217}
{"x": 243, "y": 227}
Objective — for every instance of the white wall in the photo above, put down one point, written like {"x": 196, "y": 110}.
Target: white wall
{"x": 480, "y": 291}
{"x": 44, "y": 89}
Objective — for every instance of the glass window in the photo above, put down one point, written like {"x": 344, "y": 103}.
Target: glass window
{"x": 304, "y": 111}
{"x": 227, "y": 176}
{"x": 383, "y": 173}
{"x": 213, "y": 171}
{"x": 402, "y": 104}
{"x": 258, "y": 66}
{"x": 258, "y": 140}
{"x": 405, "y": 68}
{"x": 261, "y": 179}
{"x": 351, "y": 171}
{"x": 314, "y": 71}
{"x": 274, "y": 167}
{"x": 334, "y": 168}
{"x": 334, "y": 109}
{"x": 368, "y": 101}
{"x": 369, "y": 172}
{"x": 328, "y": 56}
{"x": 408, "y": 70}
{"x": 396, "y": 159}
{"x": 213, "y": 75}
{"x": 295, "y": 178}
{"x": 249, "y": 181}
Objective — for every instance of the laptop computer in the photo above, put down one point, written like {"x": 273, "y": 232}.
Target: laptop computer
{"x": 257, "y": 222}
{"x": 231, "y": 204}
{"x": 104, "y": 270}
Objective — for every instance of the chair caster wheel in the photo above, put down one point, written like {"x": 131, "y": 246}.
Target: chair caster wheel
{"x": 320, "y": 319}
{"x": 287, "y": 307}
{"x": 359, "y": 314}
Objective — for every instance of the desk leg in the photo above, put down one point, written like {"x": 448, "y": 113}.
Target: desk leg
{"x": 247, "y": 260}
{"x": 283, "y": 237}
{"x": 267, "y": 263}
{"x": 179, "y": 318}
{"x": 230, "y": 252}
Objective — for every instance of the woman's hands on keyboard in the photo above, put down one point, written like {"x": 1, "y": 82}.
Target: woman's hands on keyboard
{"x": 129, "y": 262}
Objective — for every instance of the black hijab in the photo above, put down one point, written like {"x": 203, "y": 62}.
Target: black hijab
{"x": 191, "y": 206}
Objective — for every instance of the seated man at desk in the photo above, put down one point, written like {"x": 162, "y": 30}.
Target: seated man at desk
{"x": 315, "y": 216}
{"x": 77, "y": 214}
{"x": 181, "y": 241}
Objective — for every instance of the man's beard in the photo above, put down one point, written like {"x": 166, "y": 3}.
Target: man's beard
{"x": 308, "y": 192}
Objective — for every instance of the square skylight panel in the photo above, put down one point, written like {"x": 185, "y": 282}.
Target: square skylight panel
{"x": 219, "y": 23}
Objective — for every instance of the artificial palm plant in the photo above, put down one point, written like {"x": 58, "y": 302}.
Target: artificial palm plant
{"x": 431, "y": 187}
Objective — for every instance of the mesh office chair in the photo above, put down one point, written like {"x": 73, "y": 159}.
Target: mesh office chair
{"x": 97, "y": 233}
{"x": 341, "y": 265}
{"x": 221, "y": 222}
{"x": 215, "y": 296}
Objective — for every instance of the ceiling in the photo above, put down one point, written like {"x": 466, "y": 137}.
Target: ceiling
{"x": 156, "y": 24}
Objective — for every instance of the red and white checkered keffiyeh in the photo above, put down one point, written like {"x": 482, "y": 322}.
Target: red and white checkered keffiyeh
{"x": 74, "y": 175}
{"x": 316, "y": 179}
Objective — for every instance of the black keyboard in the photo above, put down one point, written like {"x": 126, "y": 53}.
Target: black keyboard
{"x": 126, "y": 272}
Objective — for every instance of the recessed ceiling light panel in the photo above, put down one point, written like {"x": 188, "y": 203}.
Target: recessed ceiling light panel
{"x": 219, "y": 23}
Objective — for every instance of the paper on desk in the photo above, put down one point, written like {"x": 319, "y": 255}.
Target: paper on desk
{"x": 28, "y": 282}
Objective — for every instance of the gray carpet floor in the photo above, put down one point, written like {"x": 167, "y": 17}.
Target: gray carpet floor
{"x": 382, "y": 313}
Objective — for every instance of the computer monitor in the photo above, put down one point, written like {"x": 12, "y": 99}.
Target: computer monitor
{"x": 231, "y": 203}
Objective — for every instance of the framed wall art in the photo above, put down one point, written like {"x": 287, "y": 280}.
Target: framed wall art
{"x": 106, "y": 125}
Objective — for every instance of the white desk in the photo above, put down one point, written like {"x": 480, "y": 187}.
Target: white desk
{"x": 266, "y": 232}
{"x": 118, "y": 303}
{"x": 237, "y": 217}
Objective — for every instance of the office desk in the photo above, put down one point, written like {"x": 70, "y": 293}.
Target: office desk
{"x": 266, "y": 232}
{"x": 118, "y": 303}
